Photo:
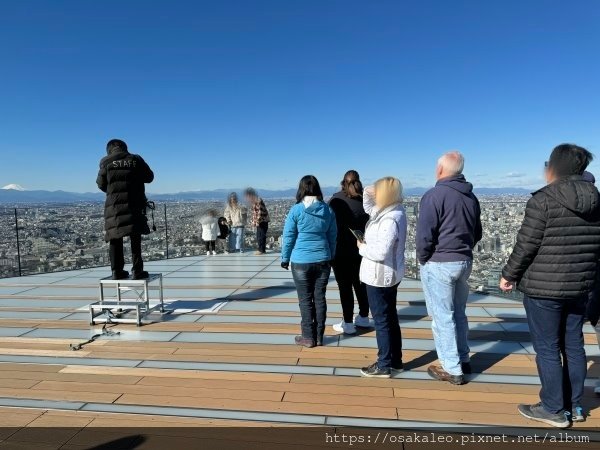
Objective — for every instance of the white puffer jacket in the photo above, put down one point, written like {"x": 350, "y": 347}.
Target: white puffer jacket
{"x": 385, "y": 239}
{"x": 210, "y": 228}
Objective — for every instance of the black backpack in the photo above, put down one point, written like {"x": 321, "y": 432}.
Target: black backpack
{"x": 223, "y": 228}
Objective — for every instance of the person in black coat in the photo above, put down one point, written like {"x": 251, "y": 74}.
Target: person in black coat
{"x": 122, "y": 176}
{"x": 350, "y": 214}
{"x": 555, "y": 264}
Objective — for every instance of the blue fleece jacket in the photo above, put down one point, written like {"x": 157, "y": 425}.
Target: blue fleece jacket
{"x": 309, "y": 233}
{"x": 449, "y": 222}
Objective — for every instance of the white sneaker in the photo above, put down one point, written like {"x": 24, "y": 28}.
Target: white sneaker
{"x": 346, "y": 328}
{"x": 214, "y": 252}
{"x": 207, "y": 253}
{"x": 363, "y": 322}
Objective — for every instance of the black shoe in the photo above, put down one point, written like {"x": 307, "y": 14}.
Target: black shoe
{"x": 539, "y": 414}
{"x": 140, "y": 275}
{"x": 466, "y": 368}
{"x": 397, "y": 367}
{"x": 438, "y": 373}
{"x": 304, "y": 342}
{"x": 120, "y": 275}
{"x": 373, "y": 371}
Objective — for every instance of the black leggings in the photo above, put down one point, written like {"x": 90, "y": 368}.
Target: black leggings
{"x": 210, "y": 245}
{"x": 347, "y": 276}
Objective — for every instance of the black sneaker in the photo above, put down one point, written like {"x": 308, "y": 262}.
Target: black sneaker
{"x": 539, "y": 414}
{"x": 304, "y": 342}
{"x": 466, "y": 368}
{"x": 397, "y": 367}
{"x": 373, "y": 371}
{"x": 140, "y": 275}
{"x": 120, "y": 275}
{"x": 577, "y": 414}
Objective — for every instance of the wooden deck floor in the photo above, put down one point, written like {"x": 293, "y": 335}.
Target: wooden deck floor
{"x": 226, "y": 356}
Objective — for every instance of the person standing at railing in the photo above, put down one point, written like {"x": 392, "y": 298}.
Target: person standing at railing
{"x": 555, "y": 264}
{"x": 309, "y": 239}
{"x": 260, "y": 219}
{"x": 122, "y": 177}
{"x": 210, "y": 231}
{"x": 382, "y": 270}
{"x": 237, "y": 217}
{"x": 350, "y": 216}
{"x": 448, "y": 228}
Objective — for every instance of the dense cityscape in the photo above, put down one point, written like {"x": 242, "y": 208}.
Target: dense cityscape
{"x": 64, "y": 237}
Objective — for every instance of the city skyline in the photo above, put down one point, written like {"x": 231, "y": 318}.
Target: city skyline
{"x": 241, "y": 93}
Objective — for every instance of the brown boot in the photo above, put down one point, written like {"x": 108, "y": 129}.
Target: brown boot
{"x": 305, "y": 342}
{"x": 438, "y": 373}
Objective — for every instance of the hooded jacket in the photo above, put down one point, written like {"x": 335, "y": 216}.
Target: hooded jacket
{"x": 449, "y": 222}
{"x": 309, "y": 233}
{"x": 558, "y": 246}
{"x": 349, "y": 214}
{"x": 122, "y": 176}
{"x": 210, "y": 228}
{"x": 385, "y": 240}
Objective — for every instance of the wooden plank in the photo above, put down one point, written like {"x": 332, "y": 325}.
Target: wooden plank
{"x": 52, "y": 376}
{"x": 414, "y": 384}
{"x": 232, "y": 392}
{"x": 261, "y": 406}
{"x": 31, "y": 367}
{"x": 58, "y": 395}
{"x": 267, "y": 386}
{"x": 141, "y": 372}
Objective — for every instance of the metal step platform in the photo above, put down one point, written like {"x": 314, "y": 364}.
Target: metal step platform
{"x": 114, "y": 309}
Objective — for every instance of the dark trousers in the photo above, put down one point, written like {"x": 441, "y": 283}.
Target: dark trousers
{"x": 117, "y": 258}
{"x": 556, "y": 329}
{"x": 210, "y": 245}
{"x": 311, "y": 284}
{"x": 382, "y": 301}
{"x": 261, "y": 236}
{"x": 348, "y": 280}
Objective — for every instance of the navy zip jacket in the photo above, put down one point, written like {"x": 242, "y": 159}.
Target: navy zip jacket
{"x": 449, "y": 222}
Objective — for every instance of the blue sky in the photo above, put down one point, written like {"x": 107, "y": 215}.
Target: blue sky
{"x": 234, "y": 93}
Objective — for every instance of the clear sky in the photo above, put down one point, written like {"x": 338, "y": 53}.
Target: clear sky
{"x": 220, "y": 94}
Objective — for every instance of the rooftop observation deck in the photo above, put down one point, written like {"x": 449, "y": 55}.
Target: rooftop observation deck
{"x": 225, "y": 356}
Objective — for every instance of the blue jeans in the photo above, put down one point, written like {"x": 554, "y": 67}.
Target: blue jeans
{"x": 446, "y": 289}
{"x": 556, "y": 329}
{"x": 311, "y": 284}
{"x": 236, "y": 239}
{"x": 382, "y": 301}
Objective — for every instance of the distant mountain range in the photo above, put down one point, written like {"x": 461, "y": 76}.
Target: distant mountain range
{"x": 11, "y": 195}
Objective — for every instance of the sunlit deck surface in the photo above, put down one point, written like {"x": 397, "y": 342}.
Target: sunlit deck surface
{"x": 226, "y": 356}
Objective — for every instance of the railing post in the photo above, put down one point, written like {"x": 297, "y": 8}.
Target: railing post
{"x": 166, "y": 231}
{"x": 18, "y": 242}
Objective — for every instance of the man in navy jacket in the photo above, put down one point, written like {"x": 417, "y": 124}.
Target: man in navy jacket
{"x": 448, "y": 228}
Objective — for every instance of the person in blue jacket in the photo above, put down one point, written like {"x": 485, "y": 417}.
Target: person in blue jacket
{"x": 309, "y": 242}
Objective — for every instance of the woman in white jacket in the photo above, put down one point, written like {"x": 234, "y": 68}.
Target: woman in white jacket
{"x": 210, "y": 231}
{"x": 237, "y": 217}
{"x": 382, "y": 269}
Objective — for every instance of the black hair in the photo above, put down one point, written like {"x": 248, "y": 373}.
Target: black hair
{"x": 309, "y": 186}
{"x": 569, "y": 159}
{"x": 250, "y": 192}
{"x": 116, "y": 145}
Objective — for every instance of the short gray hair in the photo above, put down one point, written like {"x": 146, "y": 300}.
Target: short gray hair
{"x": 452, "y": 162}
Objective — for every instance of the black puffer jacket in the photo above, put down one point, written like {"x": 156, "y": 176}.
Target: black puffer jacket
{"x": 349, "y": 213}
{"x": 558, "y": 246}
{"x": 122, "y": 176}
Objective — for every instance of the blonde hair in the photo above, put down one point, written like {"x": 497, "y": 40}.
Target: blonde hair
{"x": 388, "y": 191}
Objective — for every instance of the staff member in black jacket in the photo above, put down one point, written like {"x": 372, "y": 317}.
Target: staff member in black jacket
{"x": 122, "y": 176}
{"x": 554, "y": 263}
